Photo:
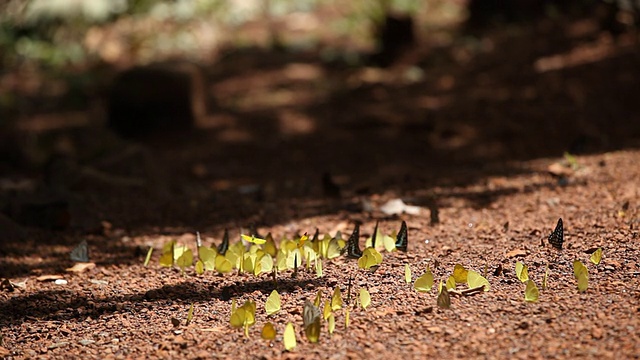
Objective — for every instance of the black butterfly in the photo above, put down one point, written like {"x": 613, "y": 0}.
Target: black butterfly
{"x": 556, "y": 238}
{"x": 402, "y": 239}
{"x": 353, "y": 247}
{"x": 374, "y": 236}
{"x": 80, "y": 253}
{"x": 222, "y": 248}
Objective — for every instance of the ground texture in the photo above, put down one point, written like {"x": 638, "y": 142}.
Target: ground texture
{"x": 479, "y": 136}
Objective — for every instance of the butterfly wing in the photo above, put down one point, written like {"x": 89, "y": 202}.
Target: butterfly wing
{"x": 353, "y": 247}
{"x": 80, "y": 253}
{"x": 311, "y": 318}
{"x": 224, "y": 246}
{"x": 374, "y": 236}
{"x": 402, "y": 239}
{"x": 556, "y": 238}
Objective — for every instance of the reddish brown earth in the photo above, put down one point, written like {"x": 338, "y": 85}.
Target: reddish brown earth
{"x": 474, "y": 139}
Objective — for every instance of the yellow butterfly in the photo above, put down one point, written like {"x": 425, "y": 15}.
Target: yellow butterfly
{"x": 189, "y": 315}
{"x": 302, "y": 240}
{"x": 346, "y": 318}
{"x": 475, "y": 280}
{"x": 326, "y": 311}
{"x": 199, "y": 267}
{"x": 183, "y": 256}
{"x": 546, "y": 277}
{"x": 252, "y": 239}
{"x": 365, "y": 298}
{"x": 208, "y": 256}
{"x": 268, "y": 331}
{"x": 272, "y": 305}
{"x": 223, "y": 265}
{"x": 407, "y": 273}
{"x": 244, "y": 316}
{"x": 318, "y": 300}
{"x": 596, "y": 257}
{"x": 336, "y": 299}
{"x": 531, "y": 292}
{"x": 522, "y": 271}
{"x": 370, "y": 259}
{"x": 289, "y": 337}
{"x": 167, "y": 258}
{"x": 460, "y": 274}
{"x": 425, "y": 282}
{"x": 270, "y": 246}
{"x": 334, "y": 248}
{"x": 451, "y": 283}
{"x": 148, "y": 258}
{"x": 319, "y": 267}
{"x": 332, "y": 323}
{"x": 582, "y": 275}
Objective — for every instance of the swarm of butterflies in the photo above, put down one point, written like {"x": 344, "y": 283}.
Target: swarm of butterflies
{"x": 256, "y": 255}
{"x": 313, "y": 317}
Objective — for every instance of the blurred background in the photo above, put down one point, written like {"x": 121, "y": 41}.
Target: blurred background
{"x": 200, "y": 112}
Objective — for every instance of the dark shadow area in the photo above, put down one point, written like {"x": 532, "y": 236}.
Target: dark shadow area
{"x": 280, "y": 128}
{"x": 66, "y": 305}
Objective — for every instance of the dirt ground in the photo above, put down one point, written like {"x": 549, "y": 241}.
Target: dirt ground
{"x": 478, "y": 137}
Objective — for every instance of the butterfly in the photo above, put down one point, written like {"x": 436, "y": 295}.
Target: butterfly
{"x": 353, "y": 248}
{"x": 373, "y": 237}
{"x": 80, "y": 253}
{"x": 444, "y": 299}
{"x": 556, "y": 238}
{"x": 224, "y": 246}
{"x": 402, "y": 238}
{"x": 311, "y": 317}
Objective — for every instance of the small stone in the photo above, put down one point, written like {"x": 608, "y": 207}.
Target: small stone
{"x": 596, "y": 333}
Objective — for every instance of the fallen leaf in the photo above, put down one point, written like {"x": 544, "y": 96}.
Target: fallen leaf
{"x": 81, "y": 267}
{"x": 58, "y": 345}
{"x": 557, "y": 169}
{"x": 215, "y": 329}
{"x": 516, "y": 252}
{"x": 397, "y": 206}
{"x": 20, "y": 284}
{"x": 49, "y": 277}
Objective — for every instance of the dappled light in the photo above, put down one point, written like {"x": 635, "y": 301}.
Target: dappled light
{"x": 319, "y": 178}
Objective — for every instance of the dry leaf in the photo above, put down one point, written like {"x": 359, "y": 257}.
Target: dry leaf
{"x": 49, "y": 277}
{"x": 397, "y": 206}
{"x": 81, "y": 267}
{"x": 557, "y": 169}
{"x": 20, "y": 284}
{"x": 434, "y": 329}
{"x": 516, "y": 252}
{"x": 215, "y": 329}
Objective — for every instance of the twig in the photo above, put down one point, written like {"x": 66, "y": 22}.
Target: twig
{"x": 467, "y": 292}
